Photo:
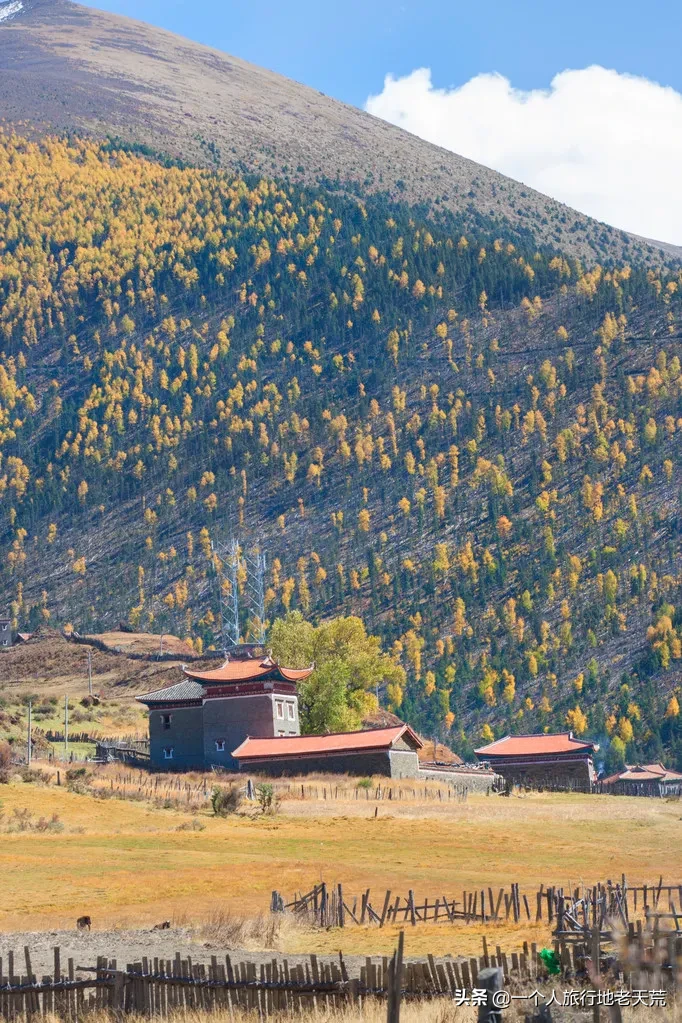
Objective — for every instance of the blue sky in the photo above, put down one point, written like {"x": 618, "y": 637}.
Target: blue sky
{"x": 346, "y": 49}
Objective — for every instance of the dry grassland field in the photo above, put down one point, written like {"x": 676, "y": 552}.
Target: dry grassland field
{"x": 160, "y": 853}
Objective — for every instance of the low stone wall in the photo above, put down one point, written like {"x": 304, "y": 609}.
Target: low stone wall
{"x": 132, "y": 655}
{"x": 469, "y": 779}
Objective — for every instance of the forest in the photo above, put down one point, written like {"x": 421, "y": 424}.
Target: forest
{"x": 468, "y": 439}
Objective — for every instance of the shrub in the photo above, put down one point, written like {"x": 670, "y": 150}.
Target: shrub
{"x": 77, "y": 779}
{"x": 365, "y": 783}
{"x": 49, "y": 824}
{"x": 5, "y": 763}
{"x": 21, "y": 819}
{"x": 225, "y": 800}
{"x": 267, "y": 798}
{"x": 193, "y": 825}
{"x": 35, "y": 776}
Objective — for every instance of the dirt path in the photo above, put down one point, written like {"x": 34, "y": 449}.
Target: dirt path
{"x": 131, "y": 946}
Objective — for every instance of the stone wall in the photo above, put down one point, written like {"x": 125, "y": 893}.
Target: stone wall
{"x": 404, "y": 763}
{"x": 472, "y": 781}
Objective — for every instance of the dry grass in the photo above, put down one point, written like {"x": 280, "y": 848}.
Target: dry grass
{"x": 225, "y": 929}
{"x": 438, "y": 1010}
{"x": 134, "y": 862}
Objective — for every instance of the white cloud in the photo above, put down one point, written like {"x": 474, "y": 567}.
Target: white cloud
{"x": 605, "y": 143}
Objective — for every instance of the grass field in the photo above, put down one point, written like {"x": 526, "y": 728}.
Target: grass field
{"x": 126, "y": 863}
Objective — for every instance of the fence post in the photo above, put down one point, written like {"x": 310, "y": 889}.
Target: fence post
{"x": 395, "y": 982}
{"x": 596, "y": 967}
{"x": 491, "y": 979}
{"x": 276, "y": 903}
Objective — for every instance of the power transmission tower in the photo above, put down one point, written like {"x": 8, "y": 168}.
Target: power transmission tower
{"x": 229, "y": 602}
{"x": 255, "y": 590}
{"x": 233, "y": 598}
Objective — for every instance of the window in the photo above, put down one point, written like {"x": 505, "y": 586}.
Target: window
{"x": 168, "y": 753}
{"x": 281, "y": 732}
{"x": 166, "y": 721}
{"x": 280, "y": 709}
{"x": 292, "y": 711}
{"x": 220, "y": 745}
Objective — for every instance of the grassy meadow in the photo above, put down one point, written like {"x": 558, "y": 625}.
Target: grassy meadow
{"x": 161, "y": 854}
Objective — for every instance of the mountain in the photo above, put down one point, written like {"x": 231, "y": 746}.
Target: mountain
{"x": 64, "y": 67}
{"x": 428, "y": 416}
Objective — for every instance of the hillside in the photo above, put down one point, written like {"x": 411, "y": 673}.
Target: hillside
{"x": 466, "y": 437}
{"x": 64, "y": 67}
{"x": 51, "y": 666}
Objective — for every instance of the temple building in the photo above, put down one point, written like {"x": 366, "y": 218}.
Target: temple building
{"x": 244, "y": 716}
{"x": 391, "y": 752}
{"x": 542, "y": 761}
{"x": 644, "y": 780}
{"x": 199, "y": 721}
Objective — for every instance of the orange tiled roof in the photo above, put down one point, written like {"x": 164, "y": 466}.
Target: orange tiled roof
{"x": 653, "y": 769}
{"x": 249, "y": 670}
{"x": 644, "y": 772}
{"x": 339, "y": 742}
{"x": 534, "y": 745}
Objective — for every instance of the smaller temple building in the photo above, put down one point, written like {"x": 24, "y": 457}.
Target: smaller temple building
{"x": 384, "y": 751}
{"x": 644, "y": 780}
{"x": 542, "y": 761}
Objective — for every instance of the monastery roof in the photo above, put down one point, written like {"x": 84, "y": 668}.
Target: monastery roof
{"x": 534, "y": 745}
{"x": 181, "y": 692}
{"x": 249, "y": 669}
{"x": 239, "y": 669}
{"x": 644, "y": 772}
{"x": 338, "y": 742}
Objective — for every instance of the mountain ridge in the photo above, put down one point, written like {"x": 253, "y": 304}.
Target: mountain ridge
{"x": 66, "y": 67}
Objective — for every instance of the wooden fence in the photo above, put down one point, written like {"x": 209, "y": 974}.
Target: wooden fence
{"x": 594, "y": 907}
{"x": 570, "y": 909}
{"x": 163, "y": 987}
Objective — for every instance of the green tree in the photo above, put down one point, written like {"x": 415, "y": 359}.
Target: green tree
{"x": 349, "y": 666}
{"x": 615, "y": 756}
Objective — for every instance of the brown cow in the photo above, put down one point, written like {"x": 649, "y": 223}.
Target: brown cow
{"x": 165, "y": 926}
{"x": 83, "y": 922}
